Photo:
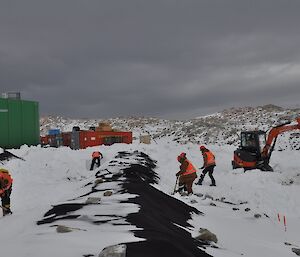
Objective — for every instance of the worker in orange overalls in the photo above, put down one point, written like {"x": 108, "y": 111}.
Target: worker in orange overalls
{"x": 209, "y": 164}
{"x": 187, "y": 174}
{"x": 97, "y": 156}
{"x": 5, "y": 190}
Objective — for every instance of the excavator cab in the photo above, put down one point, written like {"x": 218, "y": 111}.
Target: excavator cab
{"x": 249, "y": 153}
{"x": 253, "y": 141}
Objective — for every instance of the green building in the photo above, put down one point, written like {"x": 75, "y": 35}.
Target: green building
{"x": 19, "y": 122}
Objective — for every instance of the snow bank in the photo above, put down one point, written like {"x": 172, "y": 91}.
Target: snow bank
{"x": 50, "y": 176}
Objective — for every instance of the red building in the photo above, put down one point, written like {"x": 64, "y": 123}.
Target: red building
{"x": 86, "y": 138}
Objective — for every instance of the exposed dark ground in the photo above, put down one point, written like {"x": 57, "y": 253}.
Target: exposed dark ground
{"x": 6, "y": 156}
{"x": 160, "y": 218}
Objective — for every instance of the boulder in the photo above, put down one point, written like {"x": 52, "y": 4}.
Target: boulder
{"x": 93, "y": 200}
{"x": 63, "y": 229}
{"x": 114, "y": 251}
{"x": 206, "y": 235}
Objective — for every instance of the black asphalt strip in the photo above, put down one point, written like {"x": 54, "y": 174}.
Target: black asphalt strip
{"x": 162, "y": 220}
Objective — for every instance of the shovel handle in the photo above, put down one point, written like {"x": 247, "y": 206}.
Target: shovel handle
{"x": 175, "y": 185}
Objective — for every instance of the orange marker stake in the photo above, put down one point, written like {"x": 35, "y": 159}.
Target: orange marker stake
{"x": 284, "y": 222}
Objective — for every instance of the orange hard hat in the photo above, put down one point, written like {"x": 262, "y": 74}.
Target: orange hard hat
{"x": 202, "y": 147}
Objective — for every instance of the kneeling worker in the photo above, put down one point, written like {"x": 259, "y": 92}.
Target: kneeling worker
{"x": 97, "y": 156}
{"x": 5, "y": 190}
{"x": 187, "y": 174}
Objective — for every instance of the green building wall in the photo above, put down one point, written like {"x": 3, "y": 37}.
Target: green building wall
{"x": 19, "y": 123}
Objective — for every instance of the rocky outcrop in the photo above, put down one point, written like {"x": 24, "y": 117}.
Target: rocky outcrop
{"x": 219, "y": 128}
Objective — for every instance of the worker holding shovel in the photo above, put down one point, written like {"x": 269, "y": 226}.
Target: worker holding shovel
{"x": 187, "y": 174}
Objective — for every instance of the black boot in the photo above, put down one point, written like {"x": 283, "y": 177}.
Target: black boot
{"x": 6, "y": 210}
{"x": 181, "y": 188}
{"x": 200, "y": 180}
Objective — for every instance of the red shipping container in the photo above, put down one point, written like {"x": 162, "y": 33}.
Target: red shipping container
{"x": 44, "y": 140}
{"x": 66, "y": 138}
{"x": 111, "y": 137}
{"x": 88, "y": 138}
{"x": 94, "y": 138}
{"x": 52, "y": 140}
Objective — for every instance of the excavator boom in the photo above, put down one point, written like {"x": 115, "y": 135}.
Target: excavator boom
{"x": 272, "y": 136}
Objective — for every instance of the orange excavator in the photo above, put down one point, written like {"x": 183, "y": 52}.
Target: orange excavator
{"x": 256, "y": 148}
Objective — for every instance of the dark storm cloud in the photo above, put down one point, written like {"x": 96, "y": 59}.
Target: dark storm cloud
{"x": 162, "y": 58}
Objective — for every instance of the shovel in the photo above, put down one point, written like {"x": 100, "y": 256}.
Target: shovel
{"x": 175, "y": 185}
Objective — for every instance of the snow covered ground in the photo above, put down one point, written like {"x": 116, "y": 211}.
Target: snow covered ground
{"x": 50, "y": 176}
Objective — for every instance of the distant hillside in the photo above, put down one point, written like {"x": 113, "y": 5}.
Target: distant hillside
{"x": 219, "y": 128}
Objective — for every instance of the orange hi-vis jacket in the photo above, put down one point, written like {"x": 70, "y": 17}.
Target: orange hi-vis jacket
{"x": 190, "y": 169}
{"x": 209, "y": 159}
{"x": 5, "y": 181}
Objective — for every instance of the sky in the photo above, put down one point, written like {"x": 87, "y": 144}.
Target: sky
{"x": 158, "y": 58}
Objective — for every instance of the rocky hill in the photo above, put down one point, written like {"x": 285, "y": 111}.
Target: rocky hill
{"x": 219, "y": 128}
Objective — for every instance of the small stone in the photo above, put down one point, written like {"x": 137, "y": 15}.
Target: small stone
{"x": 212, "y": 204}
{"x": 193, "y": 201}
{"x": 63, "y": 229}
{"x": 98, "y": 181}
{"x": 93, "y": 200}
{"x": 247, "y": 209}
{"x": 207, "y": 196}
{"x": 235, "y": 209}
{"x": 108, "y": 193}
{"x": 198, "y": 194}
{"x": 257, "y": 215}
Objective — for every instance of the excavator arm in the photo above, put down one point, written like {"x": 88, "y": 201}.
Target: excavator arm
{"x": 272, "y": 137}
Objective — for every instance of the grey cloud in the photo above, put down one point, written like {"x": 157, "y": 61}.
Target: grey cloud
{"x": 154, "y": 58}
